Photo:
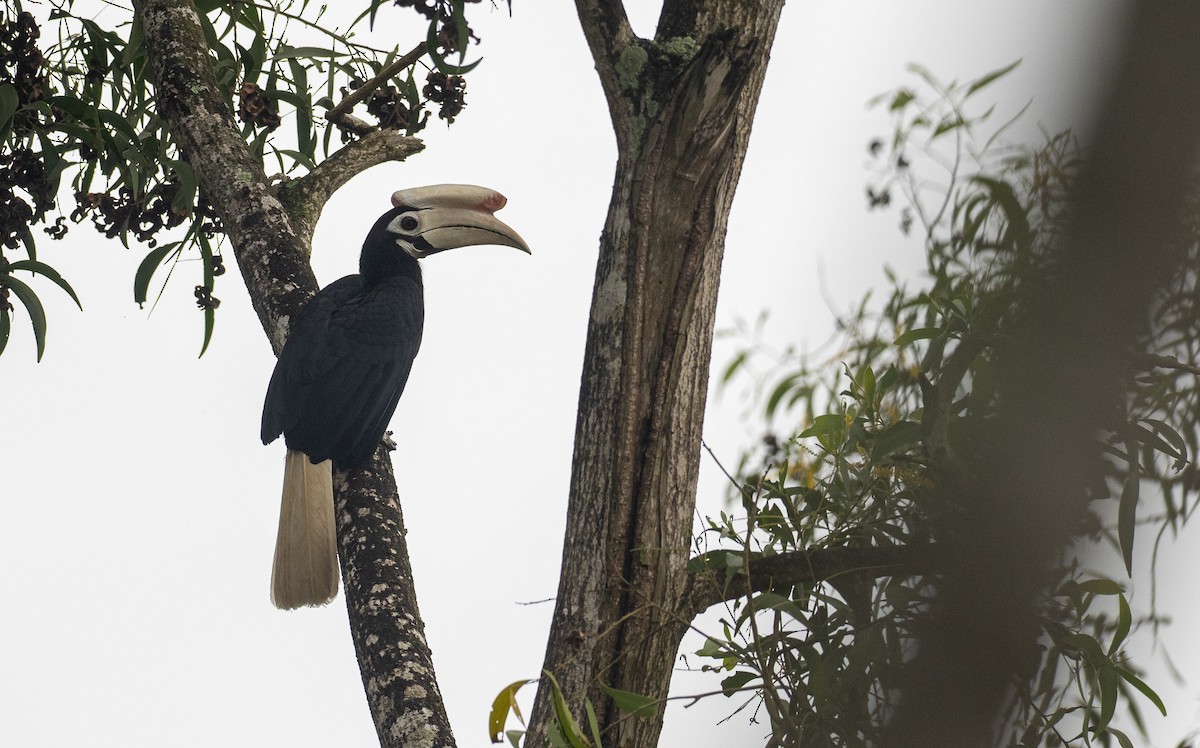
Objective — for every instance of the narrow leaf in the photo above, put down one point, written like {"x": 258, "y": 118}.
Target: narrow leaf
{"x": 991, "y": 77}
{"x": 1146, "y": 690}
{"x": 5, "y": 329}
{"x": 1101, "y": 587}
{"x": 632, "y": 703}
{"x": 562, "y": 714}
{"x": 1108, "y": 679}
{"x": 37, "y": 315}
{"x": 1127, "y": 512}
{"x": 921, "y": 333}
{"x": 41, "y": 268}
{"x": 1124, "y": 622}
{"x": 145, "y": 271}
{"x": 9, "y": 102}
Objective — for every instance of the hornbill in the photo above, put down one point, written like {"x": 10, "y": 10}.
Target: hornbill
{"x": 344, "y": 365}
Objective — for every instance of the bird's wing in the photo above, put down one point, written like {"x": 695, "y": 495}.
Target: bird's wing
{"x": 343, "y": 368}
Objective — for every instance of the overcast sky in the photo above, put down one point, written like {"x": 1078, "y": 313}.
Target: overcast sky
{"x": 139, "y": 508}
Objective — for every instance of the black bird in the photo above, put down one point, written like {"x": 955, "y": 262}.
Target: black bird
{"x": 345, "y": 363}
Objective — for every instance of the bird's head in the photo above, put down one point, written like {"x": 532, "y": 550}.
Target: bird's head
{"x": 427, "y": 220}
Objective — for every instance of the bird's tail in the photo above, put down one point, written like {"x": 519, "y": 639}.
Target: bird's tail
{"x": 305, "y": 571}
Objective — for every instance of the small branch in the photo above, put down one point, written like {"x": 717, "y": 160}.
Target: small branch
{"x": 306, "y": 196}
{"x": 712, "y": 586}
{"x": 938, "y": 398}
{"x": 1155, "y": 361}
{"x": 344, "y": 106}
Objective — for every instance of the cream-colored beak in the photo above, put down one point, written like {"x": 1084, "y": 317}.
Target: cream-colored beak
{"x": 458, "y": 215}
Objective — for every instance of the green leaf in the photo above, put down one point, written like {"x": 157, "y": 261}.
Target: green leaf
{"x": 991, "y": 77}
{"x": 9, "y": 103}
{"x": 1172, "y": 436}
{"x": 210, "y": 312}
{"x": 514, "y": 737}
{"x": 733, "y": 366}
{"x": 780, "y": 391}
{"x": 431, "y": 43}
{"x": 895, "y": 438}
{"x": 37, "y": 315}
{"x": 505, "y": 701}
{"x": 1108, "y": 681}
{"x": 774, "y": 601}
{"x": 734, "y": 682}
{"x": 145, "y": 271}
{"x": 1127, "y": 511}
{"x": 185, "y": 198}
{"x": 830, "y": 424}
{"x": 1140, "y": 685}
{"x": 5, "y": 329}
{"x": 1121, "y": 737}
{"x": 593, "y": 723}
{"x": 289, "y": 53}
{"x": 1003, "y": 195}
{"x": 632, "y": 703}
{"x": 902, "y": 99}
{"x": 41, "y": 268}
{"x": 921, "y": 333}
{"x": 1124, "y": 622}
{"x": 1101, "y": 587}
{"x": 562, "y": 714}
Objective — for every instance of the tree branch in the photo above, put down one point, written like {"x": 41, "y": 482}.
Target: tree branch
{"x": 338, "y": 114}
{"x": 306, "y": 196}
{"x": 711, "y": 586}
{"x": 1155, "y": 361}
{"x": 272, "y": 247}
{"x": 619, "y": 59}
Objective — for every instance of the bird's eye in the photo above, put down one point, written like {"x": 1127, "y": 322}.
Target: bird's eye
{"x": 408, "y": 223}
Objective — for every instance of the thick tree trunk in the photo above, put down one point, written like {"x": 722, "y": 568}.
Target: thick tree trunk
{"x": 271, "y": 235}
{"x": 682, "y": 108}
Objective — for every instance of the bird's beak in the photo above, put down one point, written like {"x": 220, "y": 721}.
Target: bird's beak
{"x": 459, "y": 215}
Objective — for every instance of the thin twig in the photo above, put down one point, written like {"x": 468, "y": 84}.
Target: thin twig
{"x": 345, "y": 105}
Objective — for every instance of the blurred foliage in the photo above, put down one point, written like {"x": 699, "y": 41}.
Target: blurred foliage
{"x": 856, "y": 443}
{"x": 80, "y": 137}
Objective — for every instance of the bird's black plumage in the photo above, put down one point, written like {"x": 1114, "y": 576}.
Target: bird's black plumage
{"x": 348, "y": 357}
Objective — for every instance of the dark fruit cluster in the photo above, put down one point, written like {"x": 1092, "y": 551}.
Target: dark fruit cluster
{"x": 21, "y": 169}
{"x": 441, "y": 10}
{"x": 255, "y": 108}
{"x": 21, "y": 62}
{"x": 447, "y": 92}
{"x": 112, "y": 213}
{"x": 386, "y": 105}
{"x": 25, "y": 191}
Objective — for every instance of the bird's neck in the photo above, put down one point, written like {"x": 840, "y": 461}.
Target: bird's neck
{"x": 380, "y": 261}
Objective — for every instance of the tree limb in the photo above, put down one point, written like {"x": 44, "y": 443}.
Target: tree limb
{"x": 272, "y": 248}
{"x": 339, "y": 112}
{"x": 305, "y": 197}
{"x": 711, "y": 586}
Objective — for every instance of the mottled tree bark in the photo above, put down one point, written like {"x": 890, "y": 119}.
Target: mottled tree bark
{"x": 271, "y": 234}
{"x": 682, "y": 105}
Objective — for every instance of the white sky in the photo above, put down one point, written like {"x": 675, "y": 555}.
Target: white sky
{"x": 139, "y": 507}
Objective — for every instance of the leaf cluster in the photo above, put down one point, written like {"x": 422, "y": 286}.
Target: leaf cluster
{"x": 880, "y": 433}
{"x": 78, "y": 118}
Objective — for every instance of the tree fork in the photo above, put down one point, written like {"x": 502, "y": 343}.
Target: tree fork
{"x": 682, "y": 106}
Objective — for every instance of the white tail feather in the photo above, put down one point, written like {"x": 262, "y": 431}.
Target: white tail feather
{"x": 305, "y": 571}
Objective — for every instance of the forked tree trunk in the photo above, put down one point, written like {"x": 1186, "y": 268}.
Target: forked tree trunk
{"x": 682, "y": 106}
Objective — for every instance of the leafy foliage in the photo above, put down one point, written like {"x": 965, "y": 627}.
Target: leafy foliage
{"x": 907, "y": 402}
{"x": 77, "y": 116}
